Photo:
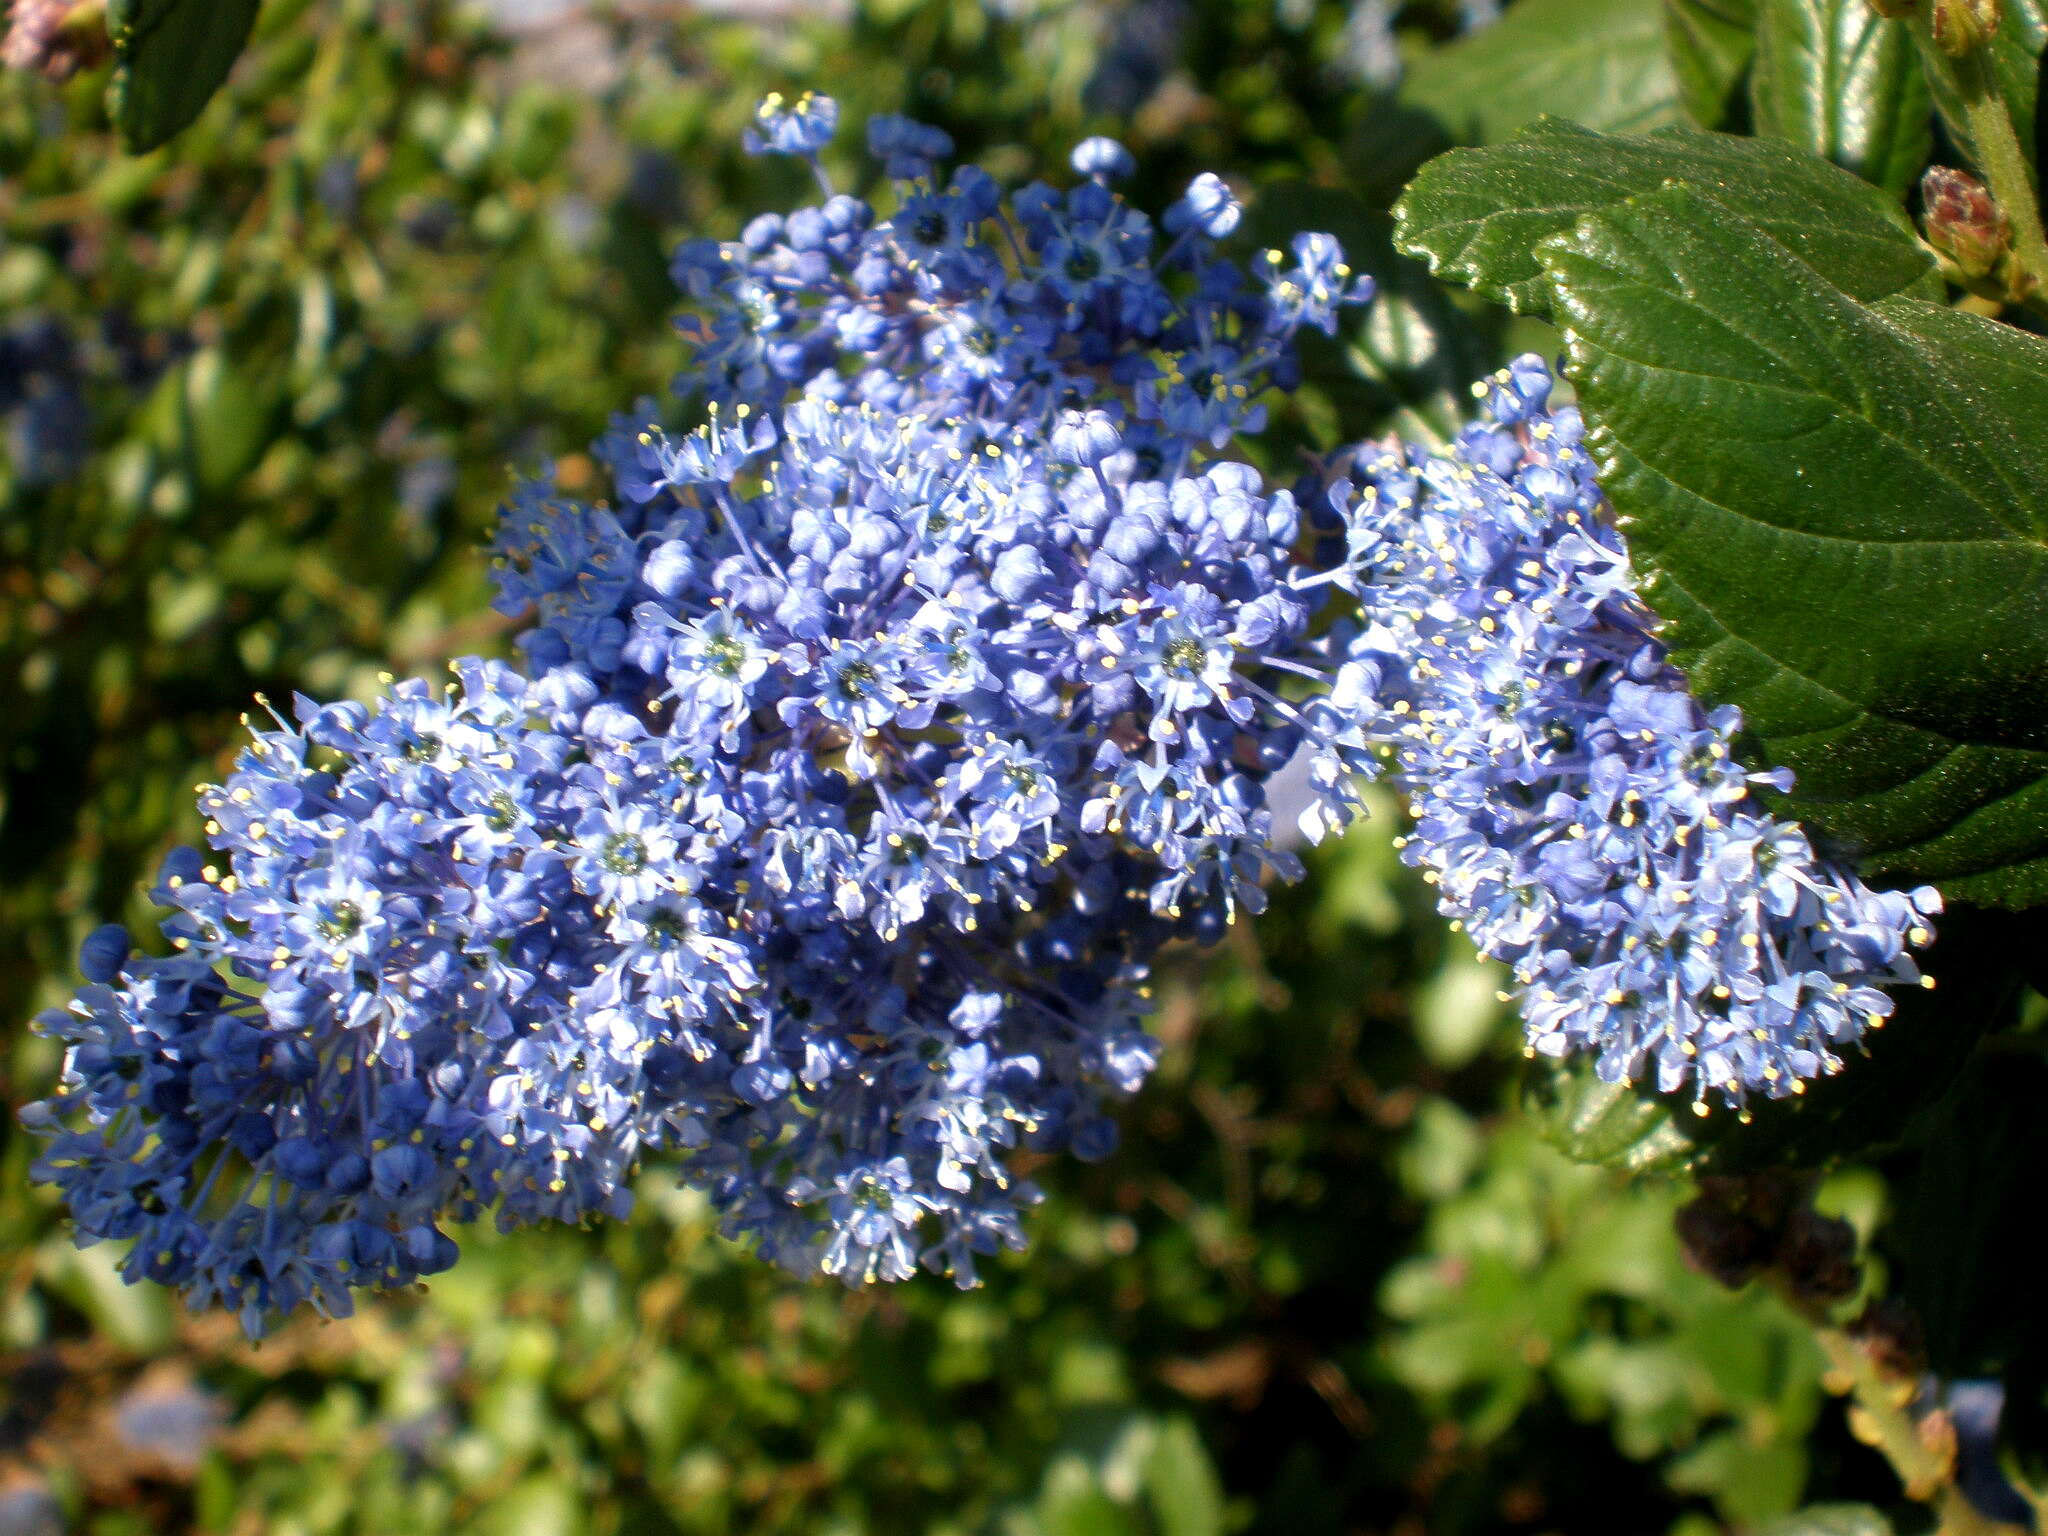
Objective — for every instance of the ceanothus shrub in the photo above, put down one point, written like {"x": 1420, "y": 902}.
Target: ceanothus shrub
{"x": 871, "y": 741}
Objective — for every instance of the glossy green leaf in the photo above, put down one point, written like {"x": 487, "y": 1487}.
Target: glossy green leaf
{"x": 136, "y": 1317}
{"x": 1834, "y": 77}
{"x": 1601, "y": 61}
{"x": 1616, "y": 1125}
{"x": 2015, "y": 69}
{"x": 1841, "y": 511}
{"x": 1478, "y": 214}
{"x": 1710, "y": 43}
{"x": 539, "y": 1506}
{"x": 172, "y": 56}
{"x": 127, "y": 18}
{"x": 224, "y": 417}
{"x": 1073, "y": 1503}
{"x": 1756, "y": 1483}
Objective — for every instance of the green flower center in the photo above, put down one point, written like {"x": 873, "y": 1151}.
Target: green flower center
{"x": 727, "y": 654}
{"x": 342, "y": 921}
{"x": 857, "y": 680}
{"x": 1185, "y": 656}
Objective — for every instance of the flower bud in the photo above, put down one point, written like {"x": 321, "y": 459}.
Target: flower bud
{"x": 1102, "y": 157}
{"x": 1085, "y": 437}
{"x": 55, "y": 38}
{"x": 1209, "y": 205}
{"x": 104, "y": 952}
{"x": 1962, "y": 221}
{"x": 1961, "y": 27}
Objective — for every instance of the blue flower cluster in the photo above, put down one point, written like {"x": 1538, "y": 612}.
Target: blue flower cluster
{"x": 872, "y": 741}
{"x": 961, "y": 303}
{"x": 868, "y": 748}
{"x": 358, "y": 1032}
{"x": 1580, "y": 815}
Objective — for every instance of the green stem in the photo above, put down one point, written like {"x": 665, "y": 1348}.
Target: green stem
{"x": 2000, "y": 159}
{"x": 1889, "y": 1427}
{"x": 1926, "y": 1468}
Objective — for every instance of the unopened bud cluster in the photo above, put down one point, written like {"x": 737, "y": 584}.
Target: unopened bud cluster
{"x": 1964, "y": 223}
{"x": 1961, "y": 27}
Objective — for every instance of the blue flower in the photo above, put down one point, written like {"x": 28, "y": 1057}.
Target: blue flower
{"x": 1311, "y": 291}
{"x": 875, "y": 1213}
{"x": 908, "y": 150}
{"x": 624, "y": 853}
{"x": 1183, "y": 658}
{"x": 1057, "y": 301}
{"x": 802, "y": 129}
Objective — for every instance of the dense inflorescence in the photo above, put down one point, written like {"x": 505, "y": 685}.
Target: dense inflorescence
{"x": 871, "y": 743}
{"x": 351, "y": 1039}
{"x": 962, "y": 303}
{"x": 868, "y": 748}
{"x": 1578, "y": 811}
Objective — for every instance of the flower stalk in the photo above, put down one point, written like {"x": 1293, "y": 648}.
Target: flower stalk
{"x": 1959, "y": 55}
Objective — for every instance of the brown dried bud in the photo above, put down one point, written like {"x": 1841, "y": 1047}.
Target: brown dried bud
{"x": 1817, "y": 1255}
{"x": 1962, "y": 222}
{"x": 1963, "y": 26}
{"x": 1721, "y": 1243}
{"x": 1764, "y": 1223}
{"x": 1890, "y": 1334}
{"x": 1735, "y": 1229}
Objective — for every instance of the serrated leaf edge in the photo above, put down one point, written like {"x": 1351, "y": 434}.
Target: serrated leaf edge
{"x": 1986, "y": 886}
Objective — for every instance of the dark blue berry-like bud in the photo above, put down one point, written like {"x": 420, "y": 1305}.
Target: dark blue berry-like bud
{"x": 104, "y": 952}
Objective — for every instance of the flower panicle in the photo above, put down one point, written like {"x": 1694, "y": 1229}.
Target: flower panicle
{"x": 1580, "y": 814}
{"x": 863, "y": 753}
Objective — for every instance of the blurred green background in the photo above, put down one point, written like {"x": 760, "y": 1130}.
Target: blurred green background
{"x": 259, "y": 394}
